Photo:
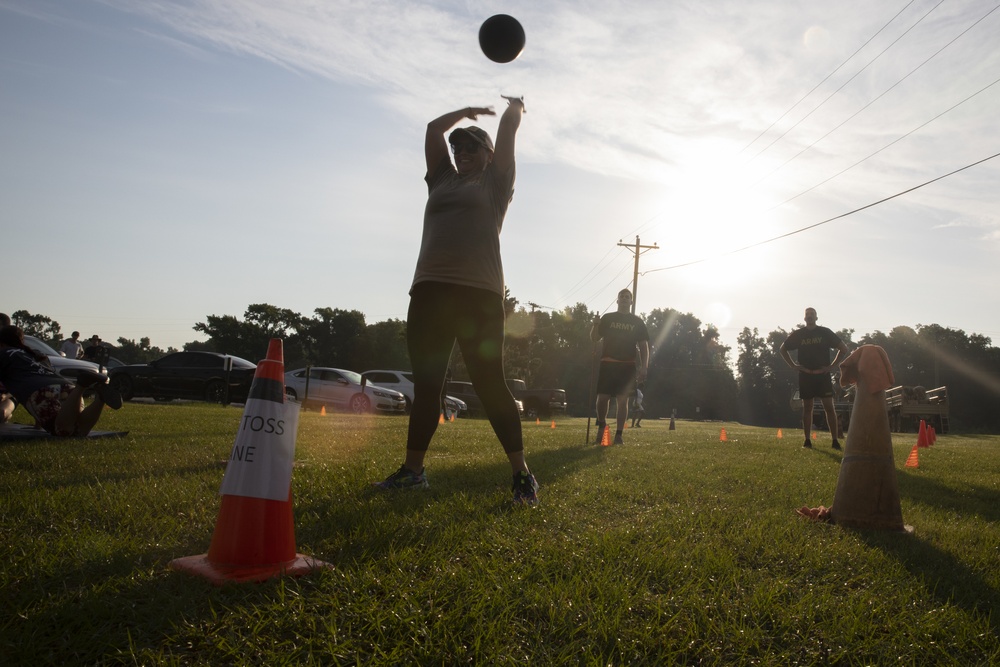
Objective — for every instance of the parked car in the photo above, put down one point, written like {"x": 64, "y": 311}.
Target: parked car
{"x": 402, "y": 381}
{"x": 68, "y": 368}
{"x": 465, "y": 392}
{"x": 542, "y": 403}
{"x": 339, "y": 388}
{"x": 199, "y": 376}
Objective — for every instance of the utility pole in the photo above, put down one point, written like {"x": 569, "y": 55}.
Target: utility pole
{"x": 637, "y": 249}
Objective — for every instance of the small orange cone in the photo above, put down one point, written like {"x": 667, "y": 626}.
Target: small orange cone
{"x": 441, "y": 419}
{"x": 814, "y": 435}
{"x": 931, "y": 435}
{"x": 922, "y": 436}
{"x": 451, "y": 417}
{"x": 606, "y": 438}
{"x": 780, "y": 436}
{"x": 322, "y": 411}
{"x": 254, "y": 536}
{"x": 913, "y": 460}
{"x": 722, "y": 436}
{"x": 553, "y": 424}
{"x": 538, "y": 421}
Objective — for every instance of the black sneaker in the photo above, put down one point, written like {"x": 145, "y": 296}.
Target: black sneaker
{"x": 836, "y": 445}
{"x": 807, "y": 444}
{"x": 525, "y": 489}
{"x": 618, "y": 439}
{"x": 86, "y": 378}
{"x": 110, "y": 396}
{"x": 404, "y": 478}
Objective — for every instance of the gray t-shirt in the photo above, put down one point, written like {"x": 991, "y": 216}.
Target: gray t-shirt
{"x": 462, "y": 222}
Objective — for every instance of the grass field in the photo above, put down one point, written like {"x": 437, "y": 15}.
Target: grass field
{"x": 673, "y": 549}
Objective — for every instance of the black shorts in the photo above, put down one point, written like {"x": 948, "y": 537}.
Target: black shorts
{"x": 616, "y": 378}
{"x": 815, "y": 386}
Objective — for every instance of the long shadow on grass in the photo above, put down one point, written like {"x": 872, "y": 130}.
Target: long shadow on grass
{"x": 475, "y": 486}
{"x": 977, "y": 500}
{"x": 947, "y": 579}
{"x": 105, "y": 609}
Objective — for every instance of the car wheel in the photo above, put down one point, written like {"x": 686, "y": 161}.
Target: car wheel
{"x": 215, "y": 391}
{"x": 409, "y": 404}
{"x": 290, "y": 394}
{"x": 360, "y": 404}
{"x": 124, "y": 386}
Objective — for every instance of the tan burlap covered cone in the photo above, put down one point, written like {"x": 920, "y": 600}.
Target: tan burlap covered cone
{"x": 867, "y": 492}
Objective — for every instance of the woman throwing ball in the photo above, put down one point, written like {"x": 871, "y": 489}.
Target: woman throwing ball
{"x": 458, "y": 287}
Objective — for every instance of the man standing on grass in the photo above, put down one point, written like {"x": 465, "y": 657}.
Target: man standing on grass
{"x": 814, "y": 344}
{"x": 622, "y": 333}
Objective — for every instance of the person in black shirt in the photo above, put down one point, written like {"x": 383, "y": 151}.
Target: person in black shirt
{"x": 623, "y": 334}
{"x": 813, "y": 344}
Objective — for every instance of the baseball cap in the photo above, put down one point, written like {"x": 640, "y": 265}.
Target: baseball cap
{"x": 476, "y": 134}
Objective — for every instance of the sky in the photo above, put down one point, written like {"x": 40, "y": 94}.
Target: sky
{"x": 162, "y": 161}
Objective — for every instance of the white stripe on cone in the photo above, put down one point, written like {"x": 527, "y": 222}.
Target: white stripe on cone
{"x": 260, "y": 462}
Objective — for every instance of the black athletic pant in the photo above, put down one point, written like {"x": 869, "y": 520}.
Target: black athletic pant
{"x": 439, "y": 315}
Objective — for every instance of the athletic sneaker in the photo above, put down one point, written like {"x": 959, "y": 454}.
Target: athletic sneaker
{"x": 807, "y": 444}
{"x": 618, "y": 439}
{"x": 525, "y": 488}
{"x": 836, "y": 445}
{"x": 404, "y": 478}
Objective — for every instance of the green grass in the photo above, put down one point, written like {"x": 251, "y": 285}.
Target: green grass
{"x": 674, "y": 549}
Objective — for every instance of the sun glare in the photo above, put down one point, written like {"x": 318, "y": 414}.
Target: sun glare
{"x": 708, "y": 213}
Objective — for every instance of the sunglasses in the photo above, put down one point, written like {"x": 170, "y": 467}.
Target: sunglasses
{"x": 465, "y": 147}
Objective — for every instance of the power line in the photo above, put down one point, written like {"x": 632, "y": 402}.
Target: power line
{"x": 826, "y": 78}
{"x": 823, "y": 222}
{"x": 856, "y": 74}
{"x": 877, "y": 98}
{"x": 894, "y": 141}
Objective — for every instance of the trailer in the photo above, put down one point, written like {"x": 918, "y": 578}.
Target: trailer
{"x": 908, "y": 405}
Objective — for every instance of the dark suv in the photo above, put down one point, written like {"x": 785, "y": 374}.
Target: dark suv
{"x": 200, "y": 376}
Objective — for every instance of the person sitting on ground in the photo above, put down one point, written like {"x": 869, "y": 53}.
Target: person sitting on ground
{"x": 72, "y": 348}
{"x": 56, "y": 405}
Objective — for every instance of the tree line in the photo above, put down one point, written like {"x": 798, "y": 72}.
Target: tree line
{"x": 691, "y": 373}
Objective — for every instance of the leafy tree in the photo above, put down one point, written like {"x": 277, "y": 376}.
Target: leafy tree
{"x": 38, "y": 326}
{"x": 688, "y": 369}
{"x": 139, "y": 353}
{"x": 334, "y": 337}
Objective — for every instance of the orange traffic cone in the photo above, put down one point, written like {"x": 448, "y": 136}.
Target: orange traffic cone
{"x": 322, "y": 411}
{"x": 441, "y": 418}
{"x": 913, "y": 460}
{"x": 553, "y": 424}
{"x": 606, "y": 438}
{"x": 931, "y": 435}
{"x": 254, "y": 536}
{"x": 722, "y": 436}
{"x": 780, "y": 436}
{"x": 922, "y": 435}
{"x": 451, "y": 417}
{"x": 538, "y": 421}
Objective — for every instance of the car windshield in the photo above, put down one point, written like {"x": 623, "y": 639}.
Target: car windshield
{"x": 239, "y": 362}
{"x": 351, "y": 376}
{"x": 39, "y": 346}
